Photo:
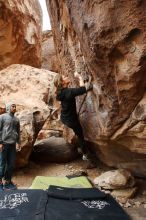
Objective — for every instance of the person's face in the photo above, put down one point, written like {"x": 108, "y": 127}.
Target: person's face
{"x": 65, "y": 81}
{"x": 13, "y": 108}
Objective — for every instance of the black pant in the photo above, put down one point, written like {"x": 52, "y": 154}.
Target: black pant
{"x": 76, "y": 127}
{"x": 7, "y": 161}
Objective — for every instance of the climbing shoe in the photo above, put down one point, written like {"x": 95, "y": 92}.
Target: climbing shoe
{"x": 85, "y": 157}
{"x": 9, "y": 186}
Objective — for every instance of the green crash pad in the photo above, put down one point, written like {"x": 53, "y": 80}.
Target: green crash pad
{"x": 42, "y": 182}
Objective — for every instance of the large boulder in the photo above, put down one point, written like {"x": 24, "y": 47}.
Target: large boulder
{"x": 115, "y": 179}
{"x": 30, "y": 88}
{"x": 54, "y": 150}
{"x": 20, "y": 32}
{"x": 106, "y": 39}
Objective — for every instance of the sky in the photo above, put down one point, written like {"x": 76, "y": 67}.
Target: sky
{"x": 46, "y": 19}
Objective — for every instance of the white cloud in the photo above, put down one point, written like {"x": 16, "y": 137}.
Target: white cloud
{"x": 46, "y": 19}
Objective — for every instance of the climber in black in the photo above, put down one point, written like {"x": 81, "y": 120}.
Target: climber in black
{"x": 69, "y": 115}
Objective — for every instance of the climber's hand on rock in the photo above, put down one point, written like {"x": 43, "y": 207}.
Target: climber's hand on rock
{"x": 18, "y": 147}
{"x": 88, "y": 86}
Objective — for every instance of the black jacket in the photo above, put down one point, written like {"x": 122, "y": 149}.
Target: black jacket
{"x": 68, "y": 103}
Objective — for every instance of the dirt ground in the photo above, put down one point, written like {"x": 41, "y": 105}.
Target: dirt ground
{"x": 135, "y": 207}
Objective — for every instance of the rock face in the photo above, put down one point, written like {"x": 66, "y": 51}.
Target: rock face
{"x": 106, "y": 39}
{"x": 30, "y": 88}
{"x": 2, "y": 108}
{"x": 49, "y": 58}
{"x": 20, "y": 32}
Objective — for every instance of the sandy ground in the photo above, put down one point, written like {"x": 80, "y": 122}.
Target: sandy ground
{"x": 136, "y": 207}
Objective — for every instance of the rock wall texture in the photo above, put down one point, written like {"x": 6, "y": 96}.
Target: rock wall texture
{"x": 106, "y": 39}
{"x": 20, "y": 32}
{"x": 49, "y": 58}
{"x": 30, "y": 88}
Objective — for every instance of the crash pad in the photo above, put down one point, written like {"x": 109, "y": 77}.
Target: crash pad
{"x": 82, "y": 204}
{"x": 43, "y": 182}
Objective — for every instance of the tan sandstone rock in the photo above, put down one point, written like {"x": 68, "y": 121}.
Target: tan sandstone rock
{"x": 122, "y": 195}
{"x": 2, "y": 108}
{"x": 106, "y": 39}
{"x": 115, "y": 179}
{"x": 30, "y": 88}
{"x": 20, "y": 32}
